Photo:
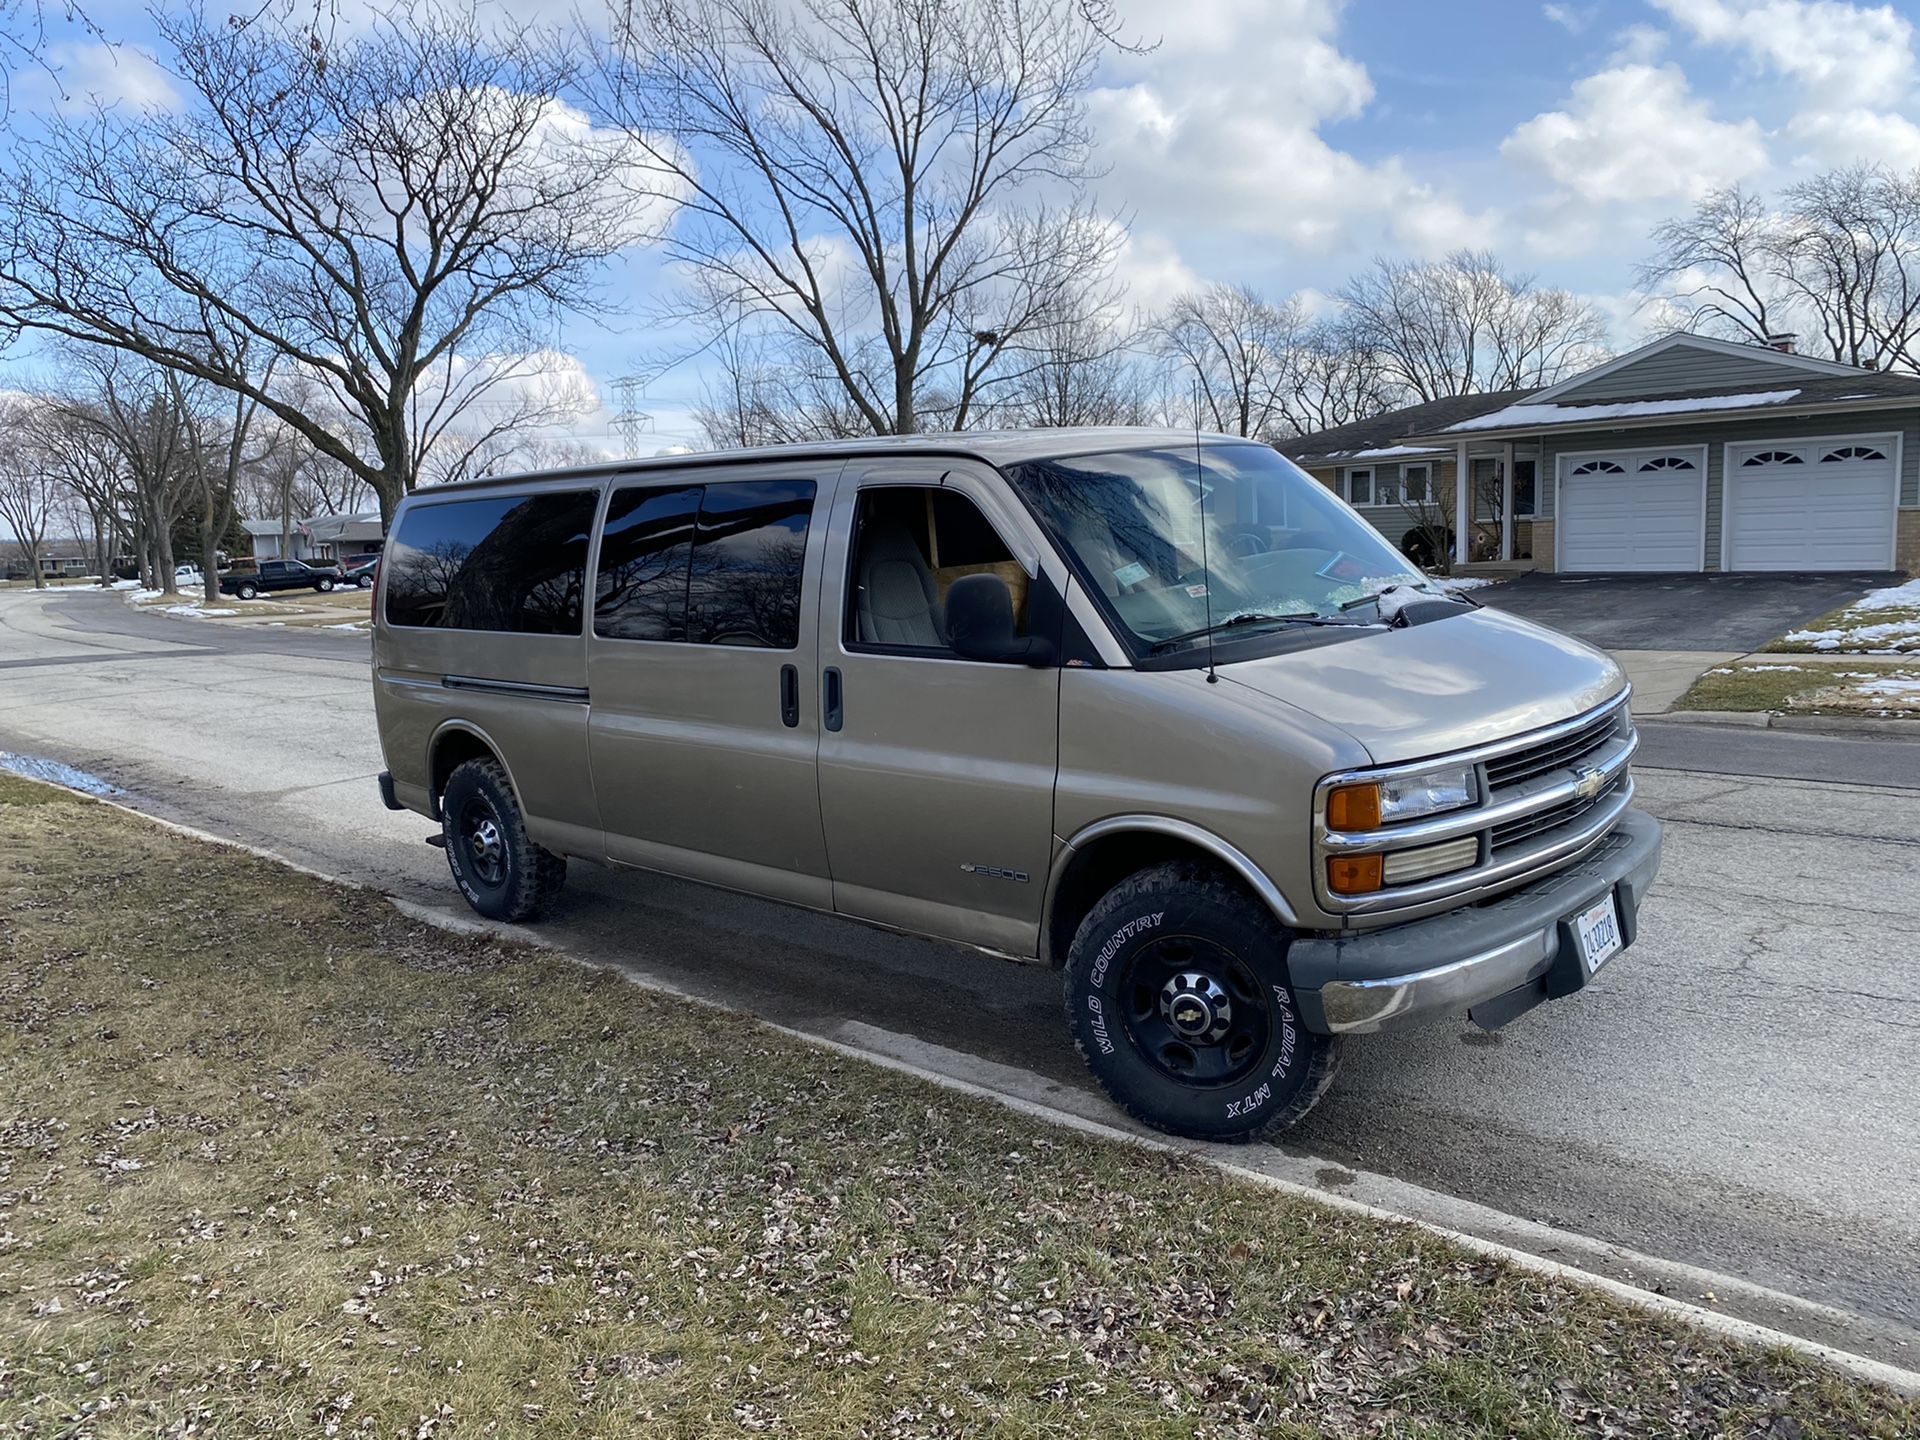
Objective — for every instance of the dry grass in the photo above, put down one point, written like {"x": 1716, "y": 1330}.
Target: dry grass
{"x": 276, "y": 1160}
{"x": 1783, "y": 687}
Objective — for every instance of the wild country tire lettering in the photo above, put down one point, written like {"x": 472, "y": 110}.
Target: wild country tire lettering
{"x": 1120, "y": 937}
{"x": 1283, "y": 1012}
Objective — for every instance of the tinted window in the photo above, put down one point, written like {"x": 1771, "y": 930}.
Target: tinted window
{"x": 749, "y": 552}
{"x": 641, "y": 592}
{"x": 508, "y": 562}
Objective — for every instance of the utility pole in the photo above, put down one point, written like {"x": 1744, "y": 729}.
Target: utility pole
{"x": 630, "y": 422}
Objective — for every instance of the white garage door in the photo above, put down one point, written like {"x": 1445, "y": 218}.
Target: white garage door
{"x": 1633, "y": 510}
{"x": 1811, "y": 505}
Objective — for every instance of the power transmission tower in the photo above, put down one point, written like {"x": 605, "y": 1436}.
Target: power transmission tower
{"x": 630, "y": 422}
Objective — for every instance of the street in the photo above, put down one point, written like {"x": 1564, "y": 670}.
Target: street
{"x": 1740, "y": 1092}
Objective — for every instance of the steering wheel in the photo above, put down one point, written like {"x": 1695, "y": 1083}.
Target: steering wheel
{"x": 1244, "y": 539}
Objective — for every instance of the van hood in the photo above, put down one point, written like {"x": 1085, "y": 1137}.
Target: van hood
{"x": 1447, "y": 685}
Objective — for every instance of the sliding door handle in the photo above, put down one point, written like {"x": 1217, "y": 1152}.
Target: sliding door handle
{"x": 830, "y": 698}
{"x": 789, "y": 696}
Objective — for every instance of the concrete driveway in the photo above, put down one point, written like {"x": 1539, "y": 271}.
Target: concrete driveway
{"x": 1666, "y": 629}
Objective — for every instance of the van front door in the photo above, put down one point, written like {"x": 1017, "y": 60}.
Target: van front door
{"x": 936, "y": 773}
{"x": 701, "y": 662}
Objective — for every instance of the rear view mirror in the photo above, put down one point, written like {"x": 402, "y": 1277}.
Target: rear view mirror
{"x": 980, "y": 624}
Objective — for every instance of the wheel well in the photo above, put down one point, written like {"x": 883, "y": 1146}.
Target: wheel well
{"x": 450, "y": 752}
{"x": 1099, "y": 866}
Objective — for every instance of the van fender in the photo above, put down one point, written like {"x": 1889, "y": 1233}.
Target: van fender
{"x": 1228, "y": 854}
{"x": 466, "y": 727}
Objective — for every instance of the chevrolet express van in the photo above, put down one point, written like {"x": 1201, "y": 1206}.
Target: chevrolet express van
{"x": 1152, "y": 708}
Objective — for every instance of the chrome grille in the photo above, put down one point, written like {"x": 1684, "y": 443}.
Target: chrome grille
{"x": 1557, "y": 753}
{"x": 1541, "y": 821}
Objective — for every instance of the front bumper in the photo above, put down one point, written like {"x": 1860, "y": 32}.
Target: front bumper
{"x": 1497, "y": 960}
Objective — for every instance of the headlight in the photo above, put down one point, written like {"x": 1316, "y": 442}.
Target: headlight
{"x": 1405, "y": 797}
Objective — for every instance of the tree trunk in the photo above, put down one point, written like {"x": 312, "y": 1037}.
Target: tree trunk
{"x": 209, "y": 556}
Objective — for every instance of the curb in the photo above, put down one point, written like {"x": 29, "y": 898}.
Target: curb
{"x": 1221, "y": 1158}
{"x": 1891, "y": 727}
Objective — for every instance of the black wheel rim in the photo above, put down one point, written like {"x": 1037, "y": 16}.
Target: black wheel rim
{"x": 1195, "y": 1011}
{"x": 483, "y": 841}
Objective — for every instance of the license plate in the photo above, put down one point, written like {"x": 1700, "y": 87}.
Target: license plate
{"x": 1598, "y": 930}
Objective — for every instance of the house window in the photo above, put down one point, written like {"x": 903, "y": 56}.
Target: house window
{"x": 1525, "y": 488}
{"x": 1360, "y": 487}
{"x": 1599, "y": 467}
{"x": 1851, "y": 452}
{"x": 1416, "y": 484}
{"x": 1666, "y": 462}
{"x": 1773, "y": 457}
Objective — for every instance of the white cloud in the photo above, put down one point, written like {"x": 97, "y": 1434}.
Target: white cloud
{"x": 96, "y": 73}
{"x": 1574, "y": 19}
{"x": 1846, "y": 137}
{"x": 1839, "y": 53}
{"x": 1220, "y": 128}
{"x": 1636, "y": 133}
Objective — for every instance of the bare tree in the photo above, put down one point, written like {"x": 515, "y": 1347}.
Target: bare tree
{"x": 1078, "y": 370}
{"x": 858, "y": 178}
{"x": 68, "y": 433}
{"x": 140, "y": 410}
{"x": 1715, "y": 267}
{"x": 1465, "y": 326}
{"x": 1237, "y": 351}
{"x": 372, "y": 211}
{"x": 1848, "y": 256}
{"x": 29, "y": 490}
{"x": 1336, "y": 378}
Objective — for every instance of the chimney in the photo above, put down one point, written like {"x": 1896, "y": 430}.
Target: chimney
{"x": 1782, "y": 340}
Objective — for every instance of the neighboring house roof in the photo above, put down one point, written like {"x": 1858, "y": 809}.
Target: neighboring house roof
{"x": 1862, "y": 389}
{"x": 1379, "y": 437}
{"x": 323, "y": 528}
{"x": 1681, "y": 339}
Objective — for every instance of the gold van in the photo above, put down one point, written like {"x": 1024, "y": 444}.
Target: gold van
{"x": 1155, "y": 709}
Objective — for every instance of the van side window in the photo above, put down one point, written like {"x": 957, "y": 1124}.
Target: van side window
{"x": 641, "y": 590}
{"x": 910, "y": 544}
{"x": 749, "y": 554}
{"x": 512, "y": 563}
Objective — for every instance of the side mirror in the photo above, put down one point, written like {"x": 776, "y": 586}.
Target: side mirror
{"x": 980, "y": 624}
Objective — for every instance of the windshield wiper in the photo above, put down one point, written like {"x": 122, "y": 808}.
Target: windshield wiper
{"x": 1397, "y": 585}
{"x": 1305, "y": 617}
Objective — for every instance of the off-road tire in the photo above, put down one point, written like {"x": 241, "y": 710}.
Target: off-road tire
{"x": 531, "y": 876}
{"x": 1167, "y": 905}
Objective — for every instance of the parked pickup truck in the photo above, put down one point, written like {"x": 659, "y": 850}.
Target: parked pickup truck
{"x": 277, "y": 575}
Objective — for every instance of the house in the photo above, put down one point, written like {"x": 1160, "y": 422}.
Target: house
{"x": 1687, "y": 454}
{"x": 322, "y": 538}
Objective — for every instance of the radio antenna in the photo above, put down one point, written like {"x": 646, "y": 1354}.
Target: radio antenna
{"x": 1206, "y": 567}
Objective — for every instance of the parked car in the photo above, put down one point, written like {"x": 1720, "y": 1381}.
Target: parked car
{"x": 1159, "y": 711}
{"x": 361, "y": 570}
{"x": 271, "y": 575}
{"x": 187, "y": 575}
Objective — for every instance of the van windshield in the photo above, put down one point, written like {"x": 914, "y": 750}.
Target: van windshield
{"x": 1277, "y": 545}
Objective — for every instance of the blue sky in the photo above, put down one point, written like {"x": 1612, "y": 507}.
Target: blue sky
{"x": 1281, "y": 143}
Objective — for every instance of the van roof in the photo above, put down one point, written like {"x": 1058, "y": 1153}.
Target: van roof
{"x": 995, "y": 447}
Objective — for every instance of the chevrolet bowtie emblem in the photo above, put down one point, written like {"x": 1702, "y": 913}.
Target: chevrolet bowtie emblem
{"x": 1588, "y": 782}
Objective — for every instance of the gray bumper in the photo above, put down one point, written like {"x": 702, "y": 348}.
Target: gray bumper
{"x": 1497, "y": 960}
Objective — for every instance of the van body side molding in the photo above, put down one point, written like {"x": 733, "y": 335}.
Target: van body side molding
{"x": 565, "y": 694}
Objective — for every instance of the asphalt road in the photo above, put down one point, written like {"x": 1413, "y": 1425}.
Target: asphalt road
{"x": 1741, "y": 1091}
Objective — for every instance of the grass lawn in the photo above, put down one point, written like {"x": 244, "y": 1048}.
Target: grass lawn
{"x": 1883, "y": 622}
{"x": 277, "y": 1160}
{"x": 1859, "y": 687}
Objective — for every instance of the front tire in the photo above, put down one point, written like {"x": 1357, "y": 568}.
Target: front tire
{"x": 1177, "y": 998}
{"x": 496, "y": 864}
{"x": 323, "y": 586}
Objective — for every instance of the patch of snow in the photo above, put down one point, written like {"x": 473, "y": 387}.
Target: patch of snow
{"x": 126, "y": 585}
{"x": 1893, "y": 687}
{"x": 1388, "y": 452}
{"x": 1894, "y": 597}
{"x": 1550, "y": 414}
{"x": 1454, "y": 584}
{"x": 1747, "y": 669}
{"x": 56, "y": 772}
{"x": 1880, "y": 637}
{"x": 350, "y": 625}
{"x": 194, "y": 611}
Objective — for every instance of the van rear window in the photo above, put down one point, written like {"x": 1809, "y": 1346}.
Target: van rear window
{"x": 512, "y": 563}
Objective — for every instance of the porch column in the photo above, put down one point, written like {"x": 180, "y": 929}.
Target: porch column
{"x": 1506, "y": 503}
{"x": 1462, "y": 506}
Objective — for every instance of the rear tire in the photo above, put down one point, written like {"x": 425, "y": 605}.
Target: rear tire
{"x": 1177, "y": 998}
{"x": 247, "y": 592}
{"x": 496, "y": 864}
{"x": 365, "y": 582}
{"x": 323, "y": 586}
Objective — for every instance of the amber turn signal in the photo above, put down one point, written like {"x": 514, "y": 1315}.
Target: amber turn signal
{"x": 1354, "y": 807}
{"x": 1353, "y": 874}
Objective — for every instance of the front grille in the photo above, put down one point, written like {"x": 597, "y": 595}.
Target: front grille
{"x": 1557, "y": 753}
{"x": 1552, "y": 818}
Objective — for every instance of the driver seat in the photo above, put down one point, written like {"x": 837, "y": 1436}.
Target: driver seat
{"x": 899, "y": 602}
